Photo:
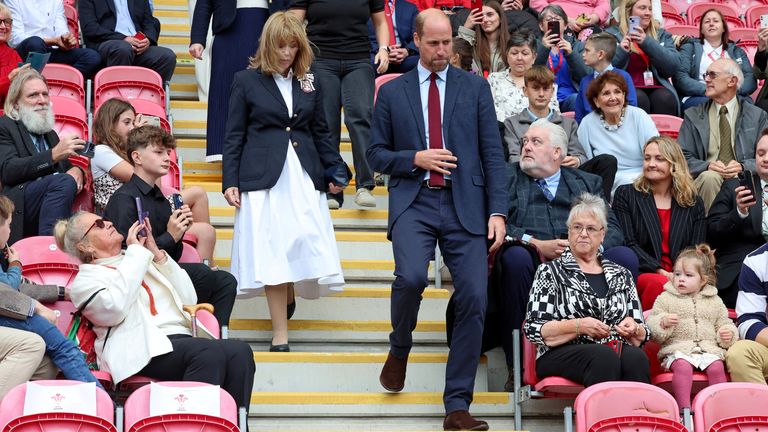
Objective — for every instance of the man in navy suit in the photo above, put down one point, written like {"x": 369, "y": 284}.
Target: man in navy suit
{"x": 435, "y": 134}
{"x": 403, "y": 54}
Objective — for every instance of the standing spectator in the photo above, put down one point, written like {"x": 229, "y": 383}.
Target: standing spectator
{"x": 125, "y": 33}
{"x": 338, "y": 33}
{"x": 615, "y": 128}
{"x": 761, "y": 66}
{"x": 41, "y": 26}
{"x": 718, "y": 138}
{"x": 34, "y": 166}
{"x": 22, "y": 358}
{"x": 403, "y": 54}
{"x": 648, "y": 54}
{"x": 582, "y": 14}
{"x": 696, "y": 56}
{"x": 446, "y": 187}
{"x": 561, "y": 52}
{"x": 736, "y": 225}
{"x": 660, "y": 215}
{"x": 486, "y": 30}
{"x": 236, "y": 29}
{"x": 276, "y": 176}
{"x": 9, "y": 58}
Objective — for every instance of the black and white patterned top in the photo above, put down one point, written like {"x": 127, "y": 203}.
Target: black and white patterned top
{"x": 561, "y": 291}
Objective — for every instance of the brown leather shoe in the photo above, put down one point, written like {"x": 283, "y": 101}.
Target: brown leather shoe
{"x": 463, "y": 421}
{"x": 392, "y": 376}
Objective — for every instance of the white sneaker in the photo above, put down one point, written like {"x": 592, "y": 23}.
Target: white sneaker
{"x": 364, "y": 198}
{"x": 333, "y": 204}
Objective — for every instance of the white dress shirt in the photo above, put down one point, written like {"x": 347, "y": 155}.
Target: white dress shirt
{"x": 124, "y": 23}
{"x": 42, "y": 18}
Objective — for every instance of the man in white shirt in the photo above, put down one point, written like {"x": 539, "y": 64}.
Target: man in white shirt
{"x": 41, "y": 26}
{"x": 125, "y": 33}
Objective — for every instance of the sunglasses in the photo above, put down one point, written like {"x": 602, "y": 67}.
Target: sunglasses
{"x": 98, "y": 223}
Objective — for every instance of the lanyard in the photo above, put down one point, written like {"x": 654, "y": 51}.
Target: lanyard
{"x": 723, "y": 54}
{"x": 152, "y": 308}
{"x": 552, "y": 64}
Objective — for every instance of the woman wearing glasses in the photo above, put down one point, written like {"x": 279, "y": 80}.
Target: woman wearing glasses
{"x": 583, "y": 313}
{"x": 660, "y": 215}
{"x": 135, "y": 299}
{"x": 9, "y": 58}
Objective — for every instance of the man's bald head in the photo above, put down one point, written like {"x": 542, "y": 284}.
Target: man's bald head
{"x": 433, "y": 17}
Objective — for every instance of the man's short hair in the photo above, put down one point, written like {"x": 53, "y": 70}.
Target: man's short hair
{"x": 16, "y": 90}
{"x": 604, "y": 42}
{"x": 540, "y": 75}
{"x": 421, "y": 18}
{"x": 732, "y": 68}
{"x": 557, "y": 135}
{"x": 144, "y": 136}
{"x": 6, "y": 208}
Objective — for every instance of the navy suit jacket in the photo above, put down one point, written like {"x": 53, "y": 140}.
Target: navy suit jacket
{"x": 405, "y": 20}
{"x": 98, "y": 20}
{"x": 259, "y": 130}
{"x": 471, "y": 134}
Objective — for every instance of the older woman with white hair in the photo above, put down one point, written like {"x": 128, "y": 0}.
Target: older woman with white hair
{"x": 584, "y": 314}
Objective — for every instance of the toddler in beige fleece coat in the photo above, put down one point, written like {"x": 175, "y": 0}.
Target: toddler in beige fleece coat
{"x": 691, "y": 323}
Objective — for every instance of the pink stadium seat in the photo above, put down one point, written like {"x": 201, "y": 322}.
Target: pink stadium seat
{"x": 731, "y": 407}
{"x": 742, "y": 5}
{"x": 71, "y": 118}
{"x": 13, "y": 419}
{"x": 547, "y": 388}
{"x": 129, "y": 83}
{"x": 189, "y": 254}
{"x": 750, "y": 47}
{"x": 72, "y": 22}
{"x": 683, "y": 30}
{"x": 52, "y": 273}
{"x": 667, "y": 124}
{"x": 138, "y": 418}
{"x": 626, "y": 406}
{"x": 752, "y": 15}
{"x": 570, "y": 114}
{"x": 731, "y": 15}
{"x": 42, "y": 250}
{"x": 84, "y": 199}
{"x": 207, "y": 320}
{"x": 671, "y": 15}
{"x": 680, "y": 5}
{"x": 381, "y": 80}
{"x": 146, "y": 107}
{"x": 743, "y": 34}
{"x": 65, "y": 81}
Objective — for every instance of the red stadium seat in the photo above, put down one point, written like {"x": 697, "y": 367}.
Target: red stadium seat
{"x": 65, "y": 81}
{"x": 731, "y": 15}
{"x": 752, "y": 15}
{"x": 626, "y": 406}
{"x": 42, "y": 250}
{"x": 381, "y": 80}
{"x": 680, "y": 5}
{"x": 72, "y": 22}
{"x": 145, "y": 107}
{"x": 14, "y": 419}
{"x": 129, "y": 83}
{"x": 731, "y": 407}
{"x": 743, "y": 34}
{"x": 683, "y": 30}
{"x": 71, "y": 118}
{"x": 570, "y": 114}
{"x": 667, "y": 124}
{"x": 85, "y": 199}
{"x": 547, "y": 388}
{"x": 671, "y": 15}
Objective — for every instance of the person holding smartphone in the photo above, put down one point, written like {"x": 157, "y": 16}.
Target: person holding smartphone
{"x": 486, "y": 29}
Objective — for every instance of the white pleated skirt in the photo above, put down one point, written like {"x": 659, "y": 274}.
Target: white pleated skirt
{"x": 285, "y": 234}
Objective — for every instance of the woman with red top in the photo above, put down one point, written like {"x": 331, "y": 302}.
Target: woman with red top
{"x": 9, "y": 59}
{"x": 660, "y": 215}
{"x": 648, "y": 54}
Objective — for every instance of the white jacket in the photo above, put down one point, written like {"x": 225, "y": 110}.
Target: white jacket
{"x": 127, "y": 339}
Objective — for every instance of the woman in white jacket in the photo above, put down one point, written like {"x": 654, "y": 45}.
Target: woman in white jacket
{"x": 136, "y": 299}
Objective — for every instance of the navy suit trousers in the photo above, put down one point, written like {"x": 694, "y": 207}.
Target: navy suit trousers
{"x": 431, "y": 219}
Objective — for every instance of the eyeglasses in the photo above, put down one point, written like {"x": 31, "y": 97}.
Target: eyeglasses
{"x": 591, "y": 230}
{"x": 711, "y": 75}
{"x": 8, "y": 22}
{"x": 99, "y": 223}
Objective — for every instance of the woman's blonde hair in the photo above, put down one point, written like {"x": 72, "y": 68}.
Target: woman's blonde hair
{"x": 68, "y": 234}
{"x": 280, "y": 29}
{"x": 624, "y": 14}
{"x": 683, "y": 189}
{"x": 704, "y": 256}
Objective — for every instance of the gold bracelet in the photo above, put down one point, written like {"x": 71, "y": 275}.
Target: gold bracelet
{"x": 578, "y": 324}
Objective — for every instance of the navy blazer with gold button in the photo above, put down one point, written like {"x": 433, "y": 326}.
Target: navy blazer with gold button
{"x": 259, "y": 130}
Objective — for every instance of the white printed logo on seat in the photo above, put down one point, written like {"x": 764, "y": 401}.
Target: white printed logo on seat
{"x": 170, "y": 399}
{"x": 77, "y": 398}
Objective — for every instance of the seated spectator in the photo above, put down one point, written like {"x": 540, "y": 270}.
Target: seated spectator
{"x": 649, "y": 55}
{"x": 41, "y": 26}
{"x": 486, "y": 31}
{"x": 541, "y": 192}
{"x": 562, "y": 54}
{"x": 539, "y": 88}
{"x": 598, "y": 54}
{"x": 582, "y": 15}
{"x": 718, "y": 138}
{"x": 461, "y": 54}
{"x": 31, "y": 156}
{"x": 736, "y": 226}
{"x": 125, "y": 33}
{"x": 136, "y": 303}
{"x": 507, "y": 85}
{"x": 615, "y": 128}
{"x": 147, "y": 148}
{"x": 747, "y": 359}
{"x": 9, "y": 58}
{"x": 760, "y": 67}
{"x": 110, "y": 169}
{"x": 660, "y": 215}
{"x": 583, "y": 304}
{"x": 22, "y": 358}
{"x": 401, "y": 18}
{"x": 519, "y": 16}
{"x": 691, "y": 324}
{"x": 698, "y": 54}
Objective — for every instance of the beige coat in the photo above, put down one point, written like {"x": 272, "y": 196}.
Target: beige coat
{"x": 700, "y": 316}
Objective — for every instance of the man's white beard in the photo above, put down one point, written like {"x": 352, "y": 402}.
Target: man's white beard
{"x": 38, "y": 120}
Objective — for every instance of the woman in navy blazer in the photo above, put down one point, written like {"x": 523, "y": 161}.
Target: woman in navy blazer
{"x": 278, "y": 163}
{"x": 660, "y": 215}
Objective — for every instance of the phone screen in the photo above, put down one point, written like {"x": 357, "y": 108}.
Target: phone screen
{"x": 477, "y": 4}
{"x": 554, "y": 27}
{"x": 764, "y": 21}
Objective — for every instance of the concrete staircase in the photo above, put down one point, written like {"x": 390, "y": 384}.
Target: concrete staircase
{"x": 330, "y": 380}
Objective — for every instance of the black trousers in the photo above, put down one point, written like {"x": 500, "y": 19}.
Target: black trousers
{"x": 594, "y": 363}
{"x": 216, "y": 287}
{"x": 605, "y": 166}
{"x": 226, "y": 362}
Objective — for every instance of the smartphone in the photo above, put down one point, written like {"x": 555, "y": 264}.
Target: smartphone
{"x": 634, "y": 22}
{"x": 140, "y": 36}
{"x": 554, "y": 28}
{"x": 747, "y": 180}
{"x": 178, "y": 201}
{"x": 152, "y": 120}
{"x": 764, "y": 21}
{"x": 141, "y": 215}
{"x": 477, "y": 4}
{"x": 87, "y": 150}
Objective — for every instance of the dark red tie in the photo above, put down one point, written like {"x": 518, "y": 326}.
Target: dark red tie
{"x": 389, "y": 10}
{"x": 435, "y": 126}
